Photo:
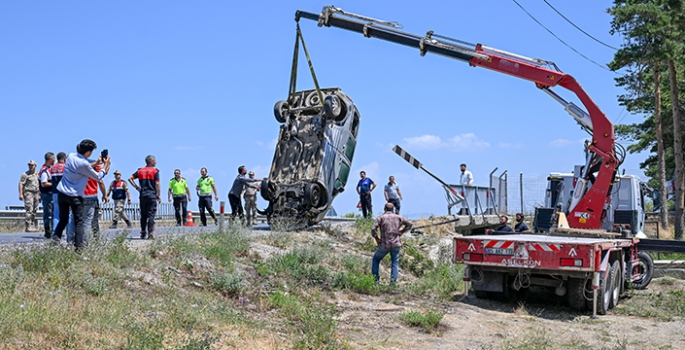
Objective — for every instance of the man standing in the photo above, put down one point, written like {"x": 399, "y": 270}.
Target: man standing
{"x": 46, "y": 190}
{"x": 77, "y": 171}
{"x": 503, "y": 224}
{"x": 466, "y": 178}
{"x": 150, "y": 195}
{"x": 251, "y": 199}
{"x": 28, "y": 192}
{"x": 91, "y": 206}
{"x": 392, "y": 227}
{"x": 205, "y": 186}
{"x": 178, "y": 189}
{"x": 364, "y": 188}
{"x": 56, "y": 173}
{"x": 237, "y": 189}
{"x": 520, "y": 225}
{"x": 393, "y": 194}
{"x": 119, "y": 192}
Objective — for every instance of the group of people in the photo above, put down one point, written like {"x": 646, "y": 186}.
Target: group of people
{"x": 68, "y": 188}
{"x": 391, "y": 192}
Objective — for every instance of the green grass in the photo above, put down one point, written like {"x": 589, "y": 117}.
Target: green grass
{"x": 427, "y": 321}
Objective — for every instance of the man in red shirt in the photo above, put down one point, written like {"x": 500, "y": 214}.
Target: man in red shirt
{"x": 91, "y": 206}
{"x": 150, "y": 195}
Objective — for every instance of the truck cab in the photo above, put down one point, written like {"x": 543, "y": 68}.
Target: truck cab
{"x": 625, "y": 214}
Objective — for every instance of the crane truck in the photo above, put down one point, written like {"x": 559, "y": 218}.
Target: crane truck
{"x": 575, "y": 257}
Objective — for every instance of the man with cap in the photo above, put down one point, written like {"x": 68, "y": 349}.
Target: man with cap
{"x": 118, "y": 189}
{"x": 250, "y": 197}
{"x": 28, "y": 192}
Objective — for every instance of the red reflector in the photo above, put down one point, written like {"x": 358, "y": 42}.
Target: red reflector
{"x": 472, "y": 257}
{"x": 571, "y": 262}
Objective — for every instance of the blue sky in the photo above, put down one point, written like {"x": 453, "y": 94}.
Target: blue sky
{"x": 194, "y": 83}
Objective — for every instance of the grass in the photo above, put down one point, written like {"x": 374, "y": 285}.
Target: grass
{"x": 427, "y": 321}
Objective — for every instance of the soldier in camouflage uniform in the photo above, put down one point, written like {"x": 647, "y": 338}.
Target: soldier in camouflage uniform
{"x": 250, "y": 197}
{"x": 28, "y": 192}
{"x": 120, "y": 194}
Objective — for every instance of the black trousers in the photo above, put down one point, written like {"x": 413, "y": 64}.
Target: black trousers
{"x": 367, "y": 207}
{"x": 181, "y": 209}
{"x": 148, "y": 210}
{"x": 205, "y": 202}
{"x": 236, "y": 206}
{"x": 76, "y": 204}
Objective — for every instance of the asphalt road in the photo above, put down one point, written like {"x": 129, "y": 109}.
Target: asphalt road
{"x": 133, "y": 233}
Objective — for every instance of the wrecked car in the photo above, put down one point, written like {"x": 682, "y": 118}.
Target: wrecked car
{"x": 313, "y": 155}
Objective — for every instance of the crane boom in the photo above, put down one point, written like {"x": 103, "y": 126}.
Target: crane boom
{"x": 589, "y": 205}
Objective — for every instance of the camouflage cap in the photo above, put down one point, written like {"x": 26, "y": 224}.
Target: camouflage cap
{"x": 117, "y": 172}
{"x": 31, "y": 162}
{"x": 250, "y": 173}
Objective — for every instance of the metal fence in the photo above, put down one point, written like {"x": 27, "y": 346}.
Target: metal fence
{"x": 165, "y": 211}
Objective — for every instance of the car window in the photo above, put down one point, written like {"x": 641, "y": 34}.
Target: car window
{"x": 349, "y": 148}
{"x": 342, "y": 176}
{"x": 354, "y": 126}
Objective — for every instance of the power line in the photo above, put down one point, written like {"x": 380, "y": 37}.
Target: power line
{"x": 573, "y": 24}
{"x": 558, "y": 38}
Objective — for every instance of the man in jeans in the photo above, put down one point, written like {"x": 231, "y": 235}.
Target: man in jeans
{"x": 56, "y": 173}
{"x": 77, "y": 170}
{"x": 392, "y": 227}
{"x": 46, "y": 191}
{"x": 150, "y": 195}
{"x": 91, "y": 207}
{"x": 178, "y": 189}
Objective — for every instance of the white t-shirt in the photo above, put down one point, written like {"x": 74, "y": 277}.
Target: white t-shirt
{"x": 466, "y": 178}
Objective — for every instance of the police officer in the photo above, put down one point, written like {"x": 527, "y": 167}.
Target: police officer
{"x": 118, "y": 189}
{"x": 180, "y": 194}
{"x": 28, "y": 192}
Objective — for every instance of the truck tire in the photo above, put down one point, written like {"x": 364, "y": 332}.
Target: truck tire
{"x": 645, "y": 270}
{"x": 616, "y": 284}
{"x": 576, "y": 293}
{"x": 603, "y": 293}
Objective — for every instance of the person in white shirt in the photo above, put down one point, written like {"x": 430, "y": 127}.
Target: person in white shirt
{"x": 466, "y": 177}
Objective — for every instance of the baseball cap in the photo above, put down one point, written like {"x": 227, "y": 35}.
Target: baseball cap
{"x": 117, "y": 172}
{"x": 31, "y": 162}
{"x": 250, "y": 173}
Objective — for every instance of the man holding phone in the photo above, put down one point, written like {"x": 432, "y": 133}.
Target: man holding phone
{"x": 77, "y": 170}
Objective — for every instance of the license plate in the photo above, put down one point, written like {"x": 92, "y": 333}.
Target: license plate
{"x": 499, "y": 251}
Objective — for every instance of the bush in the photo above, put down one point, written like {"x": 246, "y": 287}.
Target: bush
{"x": 229, "y": 284}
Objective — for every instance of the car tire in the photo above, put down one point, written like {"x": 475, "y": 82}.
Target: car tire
{"x": 334, "y": 108}
{"x": 315, "y": 195}
{"x": 281, "y": 111}
{"x": 312, "y": 99}
{"x": 264, "y": 190}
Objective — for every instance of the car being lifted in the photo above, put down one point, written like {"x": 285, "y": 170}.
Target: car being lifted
{"x": 313, "y": 155}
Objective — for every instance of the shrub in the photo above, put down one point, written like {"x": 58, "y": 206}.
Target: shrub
{"x": 427, "y": 320}
{"x": 228, "y": 284}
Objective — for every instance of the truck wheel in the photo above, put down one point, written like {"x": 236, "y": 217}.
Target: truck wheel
{"x": 334, "y": 108}
{"x": 576, "y": 293}
{"x": 616, "y": 284}
{"x": 645, "y": 271}
{"x": 603, "y": 293}
{"x": 281, "y": 111}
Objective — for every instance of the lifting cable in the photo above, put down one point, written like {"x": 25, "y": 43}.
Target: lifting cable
{"x": 293, "y": 73}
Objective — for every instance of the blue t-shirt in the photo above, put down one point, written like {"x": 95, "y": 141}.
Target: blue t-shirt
{"x": 365, "y": 185}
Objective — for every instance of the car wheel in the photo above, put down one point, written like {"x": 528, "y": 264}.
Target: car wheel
{"x": 264, "y": 190}
{"x": 334, "y": 108}
{"x": 281, "y": 111}
{"x": 314, "y": 195}
{"x": 312, "y": 99}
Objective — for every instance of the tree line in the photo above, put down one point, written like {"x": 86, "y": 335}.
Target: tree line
{"x": 652, "y": 64}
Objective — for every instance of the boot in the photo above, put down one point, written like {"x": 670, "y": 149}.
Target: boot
{"x": 113, "y": 225}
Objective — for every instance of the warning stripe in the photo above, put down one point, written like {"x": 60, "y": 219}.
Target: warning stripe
{"x": 543, "y": 247}
{"x": 407, "y": 157}
{"x": 499, "y": 244}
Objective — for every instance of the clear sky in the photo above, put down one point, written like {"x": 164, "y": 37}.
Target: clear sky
{"x": 194, "y": 83}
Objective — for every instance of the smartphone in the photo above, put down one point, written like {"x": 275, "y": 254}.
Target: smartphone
{"x": 104, "y": 154}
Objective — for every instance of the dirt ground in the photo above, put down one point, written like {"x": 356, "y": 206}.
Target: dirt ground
{"x": 541, "y": 321}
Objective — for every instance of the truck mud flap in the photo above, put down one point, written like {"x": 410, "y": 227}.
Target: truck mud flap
{"x": 487, "y": 281}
